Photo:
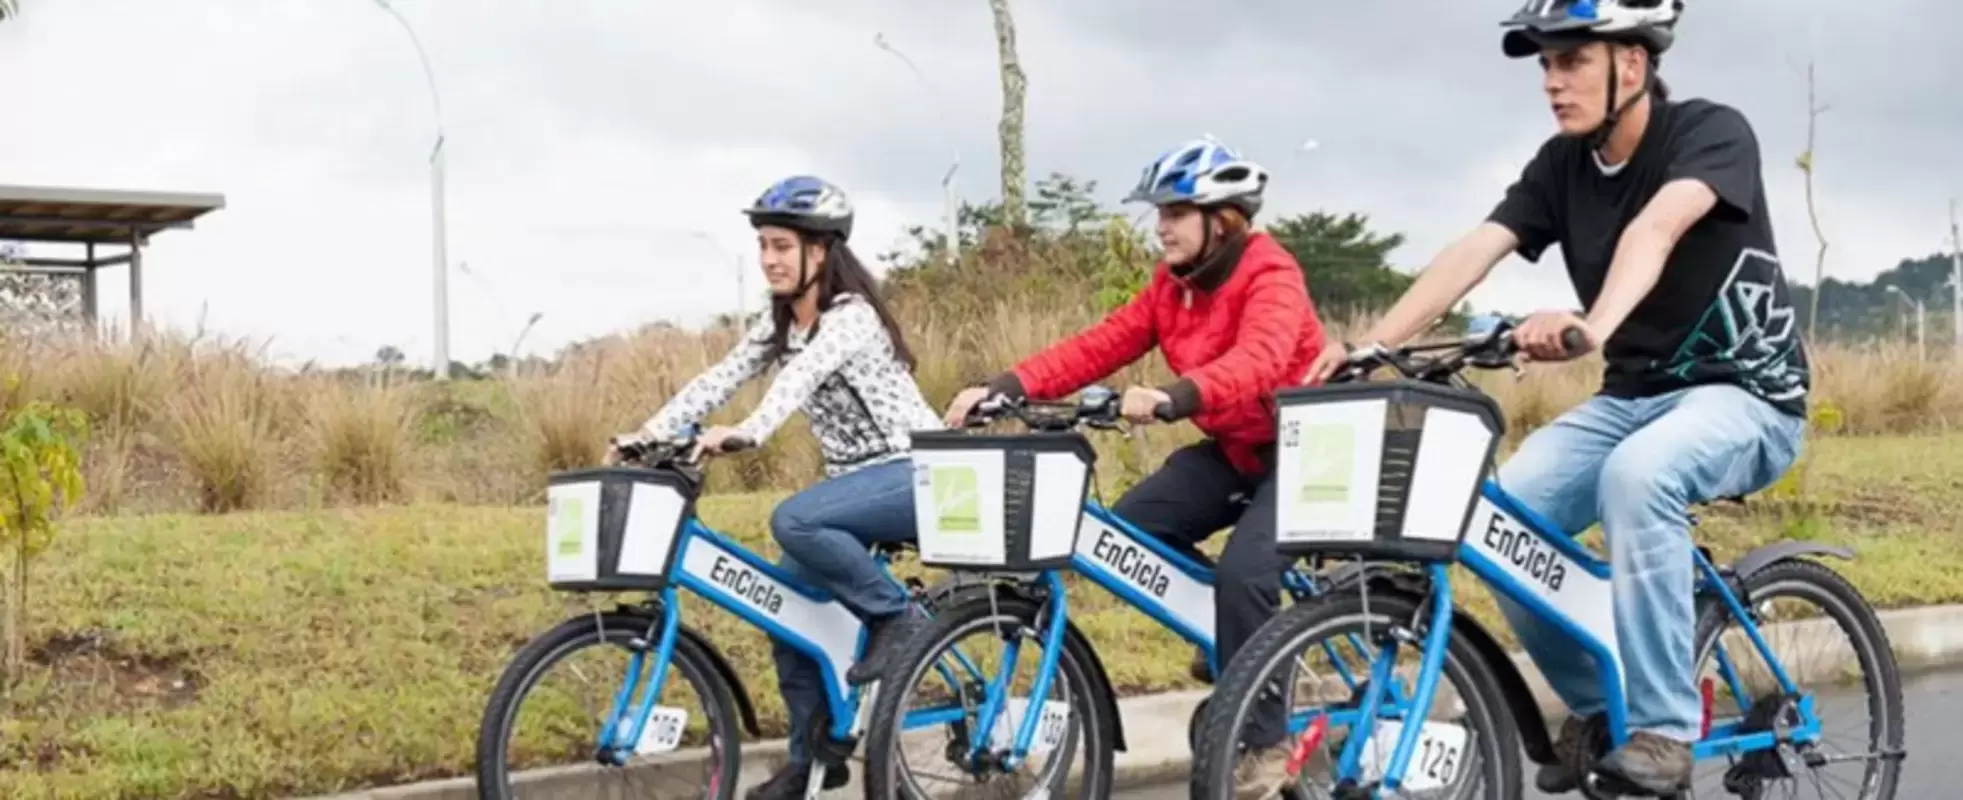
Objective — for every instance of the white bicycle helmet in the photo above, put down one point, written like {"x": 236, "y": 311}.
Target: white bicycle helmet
{"x": 1542, "y": 23}
{"x": 1203, "y": 172}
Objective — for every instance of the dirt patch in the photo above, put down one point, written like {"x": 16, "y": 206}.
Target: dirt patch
{"x": 90, "y": 658}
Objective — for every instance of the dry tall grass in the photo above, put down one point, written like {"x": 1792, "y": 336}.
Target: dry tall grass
{"x": 190, "y": 423}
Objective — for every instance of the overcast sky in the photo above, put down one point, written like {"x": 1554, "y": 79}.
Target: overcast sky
{"x": 588, "y": 138}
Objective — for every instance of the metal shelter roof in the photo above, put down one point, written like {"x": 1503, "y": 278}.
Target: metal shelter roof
{"x": 52, "y": 214}
{"x": 94, "y": 217}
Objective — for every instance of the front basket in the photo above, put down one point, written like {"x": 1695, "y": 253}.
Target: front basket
{"x": 999, "y": 503}
{"x": 614, "y": 528}
{"x": 1386, "y": 469}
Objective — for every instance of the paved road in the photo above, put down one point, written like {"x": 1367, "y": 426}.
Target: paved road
{"x": 1935, "y": 717}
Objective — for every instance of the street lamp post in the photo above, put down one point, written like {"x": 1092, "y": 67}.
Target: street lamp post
{"x": 1921, "y": 318}
{"x": 440, "y": 287}
{"x": 742, "y": 294}
{"x": 953, "y": 235}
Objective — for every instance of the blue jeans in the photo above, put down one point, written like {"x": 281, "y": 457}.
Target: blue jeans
{"x": 1636, "y": 466}
{"x": 825, "y": 531}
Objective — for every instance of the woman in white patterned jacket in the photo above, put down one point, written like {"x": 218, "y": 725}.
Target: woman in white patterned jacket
{"x": 845, "y": 364}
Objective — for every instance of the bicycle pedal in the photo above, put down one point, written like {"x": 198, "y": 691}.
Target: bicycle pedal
{"x": 1608, "y": 784}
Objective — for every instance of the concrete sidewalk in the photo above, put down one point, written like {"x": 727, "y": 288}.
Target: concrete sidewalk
{"x": 1155, "y": 725}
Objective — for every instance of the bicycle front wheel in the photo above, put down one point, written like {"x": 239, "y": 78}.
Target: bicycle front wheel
{"x": 1307, "y": 656}
{"x": 930, "y": 709}
{"x": 564, "y": 723}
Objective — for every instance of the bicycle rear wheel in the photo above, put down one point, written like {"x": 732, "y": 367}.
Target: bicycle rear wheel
{"x": 1841, "y": 635}
{"x": 1474, "y": 754}
{"x": 897, "y": 728}
{"x": 568, "y": 729}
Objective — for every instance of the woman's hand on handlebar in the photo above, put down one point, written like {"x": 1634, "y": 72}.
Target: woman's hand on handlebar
{"x": 720, "y": 439}
{"x": 1140, "y": 404}
{"x": 1546, "y": 336}
{"x": 1334, "y": 355}
{"x": 964, "y": 403}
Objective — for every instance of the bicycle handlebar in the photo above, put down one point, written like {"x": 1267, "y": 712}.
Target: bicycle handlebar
{"x": 679, "y": 451}
{"x": 1493, "y": 349}
{"x": 1096, "y": 407}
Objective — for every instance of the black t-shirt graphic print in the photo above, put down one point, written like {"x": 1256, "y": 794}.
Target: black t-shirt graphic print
{"x": 1720, "y": 312}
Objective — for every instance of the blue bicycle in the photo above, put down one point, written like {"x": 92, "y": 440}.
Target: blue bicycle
{"x": 1394, "y": 473}
{"x": 1014, "y": 510}
{"x": 633, "y": 528}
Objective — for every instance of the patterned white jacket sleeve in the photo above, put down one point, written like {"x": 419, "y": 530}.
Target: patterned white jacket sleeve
{"x": 709, "y": 390}
{"x": 843, "y": 331}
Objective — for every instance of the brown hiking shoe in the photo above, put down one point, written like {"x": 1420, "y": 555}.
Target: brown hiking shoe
{"x": 1559, "y": 777}
{"x": 1657, "y": 764}
{"x": 1199, "y": 669}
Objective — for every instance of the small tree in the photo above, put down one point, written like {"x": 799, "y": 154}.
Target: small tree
{"x": 40, "y": 476}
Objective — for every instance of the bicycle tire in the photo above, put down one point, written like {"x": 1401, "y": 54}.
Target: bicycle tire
{"x": 1856, "y": 616}
{"x": 947, "y": 627}
{"x": 522, "y": 673}
{"x": 1288, "y": 632}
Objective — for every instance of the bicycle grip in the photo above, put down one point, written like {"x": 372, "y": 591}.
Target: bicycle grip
{"x": 1574, "y": 341}
{"x": 737, "y": 444}
{"x": 1163, "y": 411}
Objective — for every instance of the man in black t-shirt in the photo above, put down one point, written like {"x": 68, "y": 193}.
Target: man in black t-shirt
{"x": 1660, "y": 212}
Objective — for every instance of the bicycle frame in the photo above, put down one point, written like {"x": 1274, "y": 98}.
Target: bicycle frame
{"x": 1511, "y": 549}
{"x": 1162, "y": 583}
{"x": 808, "y": 619}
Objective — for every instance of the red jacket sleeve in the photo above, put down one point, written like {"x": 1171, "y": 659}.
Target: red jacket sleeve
{"x": 1273, "y": 321}
{"x": 1124, "y": 336}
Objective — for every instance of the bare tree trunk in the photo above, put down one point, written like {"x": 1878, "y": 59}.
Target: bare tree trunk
{"x": 1014, "y": 87}
{"x": 1813, "y": 112}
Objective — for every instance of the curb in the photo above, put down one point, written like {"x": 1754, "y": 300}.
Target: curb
{"x": 1923, "y": 638}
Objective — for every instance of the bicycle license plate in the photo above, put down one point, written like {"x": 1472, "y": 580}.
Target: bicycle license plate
{"x": 663, "y": 732}
{"x": 1050, "y": 729}
{"x": 1434, "y": 762}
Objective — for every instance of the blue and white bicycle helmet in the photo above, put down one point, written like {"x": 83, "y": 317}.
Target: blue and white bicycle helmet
{"x": 1559, "y": 23}
{"x": 806, "y": 204}
{"x": 1203, "y": 172}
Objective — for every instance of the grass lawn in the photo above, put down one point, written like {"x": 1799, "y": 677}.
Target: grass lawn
{"x": 269, "y": 655}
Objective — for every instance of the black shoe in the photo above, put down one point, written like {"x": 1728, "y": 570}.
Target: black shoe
{"x": 883, "y": 636}
{"x": 790, "y": 782}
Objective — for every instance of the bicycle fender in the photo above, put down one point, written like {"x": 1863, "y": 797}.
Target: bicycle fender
{"x": 1520, "y": 704}
{"x": 1527, "y": 719}
{"x": 1765, "y": 556}
{"x": 1080, "y": 647}
{"x": 742, "y": 691}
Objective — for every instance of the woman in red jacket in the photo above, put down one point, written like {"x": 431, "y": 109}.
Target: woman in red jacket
{"x": 1230, "y": 310}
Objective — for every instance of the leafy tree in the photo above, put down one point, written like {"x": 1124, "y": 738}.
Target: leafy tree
{"x": 1346, "y": 263}
{"x": 40, "y": 476}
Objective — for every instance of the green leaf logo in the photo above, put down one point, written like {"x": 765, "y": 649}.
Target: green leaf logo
{"x": 1328, "y": 451}
{"x": 566, "y": 517}
{"x": 957, "y": 499}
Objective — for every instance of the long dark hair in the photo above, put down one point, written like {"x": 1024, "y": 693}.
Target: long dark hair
{"x": 843, "y": 274}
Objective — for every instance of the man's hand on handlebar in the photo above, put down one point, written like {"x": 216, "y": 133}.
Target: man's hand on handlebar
{"x": 1554, "y": 336}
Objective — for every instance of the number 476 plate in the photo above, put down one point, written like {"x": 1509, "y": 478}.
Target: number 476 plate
{"x": 1435, "y": 762}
